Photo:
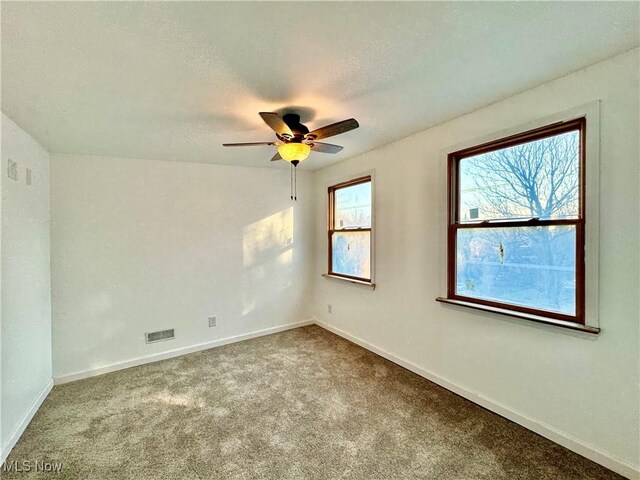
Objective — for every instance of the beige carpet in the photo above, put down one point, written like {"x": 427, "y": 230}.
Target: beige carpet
{"x": 298, "y": 404}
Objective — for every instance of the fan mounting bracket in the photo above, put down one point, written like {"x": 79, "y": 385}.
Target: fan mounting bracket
{"x": 284, "y": 137}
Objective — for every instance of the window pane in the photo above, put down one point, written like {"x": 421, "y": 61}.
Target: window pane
{"x": 353, "y": 206}
{"x": 535, "y": 179}
{"x": 352, "y": 254}
{"x": 528, "y": 266}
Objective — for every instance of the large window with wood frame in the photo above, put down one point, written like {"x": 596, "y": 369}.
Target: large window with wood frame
{"x": 350, "y": 222}
{"x": 516, "y": 235}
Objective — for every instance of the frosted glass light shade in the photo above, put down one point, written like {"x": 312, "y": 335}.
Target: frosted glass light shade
{"x": 294, "y": 151}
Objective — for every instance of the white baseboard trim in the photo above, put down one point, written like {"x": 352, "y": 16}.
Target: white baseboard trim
{"x": 72, "y": 377}
{"x": 562, "y": 438}
{"x": 10, "y": 442}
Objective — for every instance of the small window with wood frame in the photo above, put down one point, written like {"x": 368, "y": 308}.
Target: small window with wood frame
{"x": 516, "y": 234}
{"x": 349, "y": 232}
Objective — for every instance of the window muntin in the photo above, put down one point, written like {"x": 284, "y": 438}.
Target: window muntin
{"x": 525, "y": 250}
{"x": 350, "y": 214}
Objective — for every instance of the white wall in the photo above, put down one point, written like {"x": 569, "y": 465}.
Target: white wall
{"x": 145, "y": 245}
{"x": 26, "y": 289}
{"x": 579, "y": 389}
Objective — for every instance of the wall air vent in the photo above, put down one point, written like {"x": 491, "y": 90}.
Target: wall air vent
{"x": 153, "y": 337}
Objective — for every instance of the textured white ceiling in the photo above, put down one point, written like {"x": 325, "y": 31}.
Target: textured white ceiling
{"x": 175, "y": 80}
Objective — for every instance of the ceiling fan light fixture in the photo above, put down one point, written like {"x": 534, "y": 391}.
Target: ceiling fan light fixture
{"x": 294, "y": 151}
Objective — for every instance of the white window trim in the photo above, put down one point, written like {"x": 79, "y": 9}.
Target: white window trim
{"x": 336, "y": 181}
{"x": 591, "y": 111}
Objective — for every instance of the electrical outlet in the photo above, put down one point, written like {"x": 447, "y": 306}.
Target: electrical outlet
{"x": 213, "y": 321}
{"x": 330, "y": 308}
{"x": 12, "y": 169}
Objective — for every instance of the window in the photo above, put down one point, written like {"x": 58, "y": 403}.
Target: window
{"x": 516, "y": 235}
{"x": 350, "y": 220}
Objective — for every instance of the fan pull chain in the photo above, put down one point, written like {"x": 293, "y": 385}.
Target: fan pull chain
{"x": 291, "y": 181}
{"x": 294, "y": 182}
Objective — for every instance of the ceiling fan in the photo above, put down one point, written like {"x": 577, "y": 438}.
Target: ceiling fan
{"x": 295, "y": 141}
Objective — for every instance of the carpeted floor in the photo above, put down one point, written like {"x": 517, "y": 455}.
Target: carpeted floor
{"x": 298, "y": 404}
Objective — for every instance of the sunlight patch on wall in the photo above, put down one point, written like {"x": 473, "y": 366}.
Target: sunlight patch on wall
{"x": 267, "y": 259}
{"x": 286, "y": 257}
{"x": 266, "y": 238}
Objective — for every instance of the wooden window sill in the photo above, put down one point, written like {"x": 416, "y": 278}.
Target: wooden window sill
{"x": 350, "y": 280}
{"x": 526, "y": 316}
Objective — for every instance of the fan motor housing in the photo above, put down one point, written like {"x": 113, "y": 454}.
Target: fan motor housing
{"x": 293, "y": 122}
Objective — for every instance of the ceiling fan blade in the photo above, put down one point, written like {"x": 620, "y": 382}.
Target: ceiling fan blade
{"x": 325, "y": 147}
{"x": 276, "y": 157}
{"x": 250, "y": 144}
{"x": 333, "y": 129}
{"x": 276, "y": 123}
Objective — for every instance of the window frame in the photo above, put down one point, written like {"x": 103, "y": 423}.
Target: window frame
{"x": 454, "y": 224}
{"x": 331, "y": 230}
